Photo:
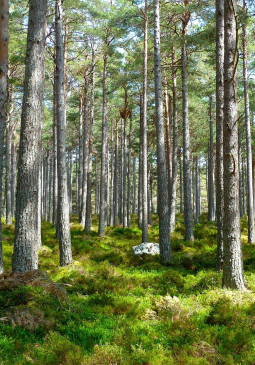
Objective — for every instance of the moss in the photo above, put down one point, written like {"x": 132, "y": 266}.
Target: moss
{"x": 111, "y": 306}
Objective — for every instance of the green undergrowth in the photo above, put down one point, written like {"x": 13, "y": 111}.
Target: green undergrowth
{"x": 112, "y": 307}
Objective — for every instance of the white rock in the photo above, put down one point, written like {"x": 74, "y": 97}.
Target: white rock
{"x": 149, "y": 248}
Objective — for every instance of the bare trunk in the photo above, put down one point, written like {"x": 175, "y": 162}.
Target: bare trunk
{"x": 112, "y": 180}
{"x": 188, "y": 218}
{"x": 134, "y": 186}
{"x": 4, "y": 19}
{"x": 63, "y": 206}
{"x": 163, "y": 208}
{"x": 174, "y": 154}
{"x": 219, "y": 128}
{"x": 116, "y": 169}
{"x": 250, "y": 212}
{"x": 144, "y": 132}
{"x": 13, "y": 183}
{"x": 85, "y": 152}
{"x": 8, "y": 176}
{"x": 129, "y": 175}
{"x": 80, "y": 157}
{"x": 181, "y": 186}
{"x": 25, "y": 253}
{"x": 211, "y": 207}
{"x": 121, "y": 176}
{"x": 233, "y": 264}
{"x": 89, "y": 178}
{"x": 103, "y": 181}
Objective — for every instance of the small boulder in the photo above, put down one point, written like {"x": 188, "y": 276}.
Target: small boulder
{"x": 149, "y": 248}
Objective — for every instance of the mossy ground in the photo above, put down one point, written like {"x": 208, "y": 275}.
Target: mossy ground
{"x": 111, "y": 307}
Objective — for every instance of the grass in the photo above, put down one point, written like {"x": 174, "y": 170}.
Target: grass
{"x": 111, "y": 307}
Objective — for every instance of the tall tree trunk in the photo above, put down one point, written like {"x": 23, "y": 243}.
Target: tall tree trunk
{"x": 140, "y": 180}
{"x": 174, "y": 153}
{"x": 103, "y": 181}
{"x": 112, "y": 179}
{"x": 134, "y": 186}
{"x": 8, "y": 176}
{"x": 250, "y": 212}
{"x": 63, "y": 206}
{"x": 116, "y": 169}
{"x": 188, "y": 218}
{"x": 168, "y": 118}
{"x": 85, "y": 151}
{"x": 70, "y": 179}
{"x": 124, "y": 175}
{"x": 50, "y": 188}
{"x": 121, "y": 177}
{"x": 25, "y": 252}
{"x": 181, "y": 186}
{"x": 55, "y": 151}
{"x": 80, "y": 156}
{"x": 241, "y": 196}
{"x": 89, "y": 178}
{"x": 233, "y": 265}
{"x": 129, "y": 173}
{"x": 211, "y": 207}
{"x": 197, "y": 192}
{"x": 4, "y": 19}
{"x": 144, "y": 132}
{"x": 13, "y": 183}
{"x": 96, "y": 188}
{"x": 163, "y": 208}
{"x": 219, "y": 128}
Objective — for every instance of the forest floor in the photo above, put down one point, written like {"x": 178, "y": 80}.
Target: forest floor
{"x": 111, "y": 307}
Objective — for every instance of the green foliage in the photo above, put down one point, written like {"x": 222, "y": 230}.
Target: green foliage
{"x": 112, "y": 307}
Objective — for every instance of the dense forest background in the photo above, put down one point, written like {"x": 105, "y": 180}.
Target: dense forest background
{"x": 124, "y": 122}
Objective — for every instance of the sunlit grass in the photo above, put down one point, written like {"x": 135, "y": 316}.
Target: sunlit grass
{"x": 112, "y": 307}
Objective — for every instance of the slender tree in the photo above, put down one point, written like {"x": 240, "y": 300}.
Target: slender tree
{"x": 103, "y": 181}
{"x": 63, "y": 206}
{"x": 232, "y": 266}
{"x": 4, "y": 19}
{"x": 163, "y": 209}
{"x": 91, "y": 124}
{"x": 219, "y": 128}
{"x": 25, "y": 253}
{"x": 211, "y": 206}
{"x": 144, "y": 131}
{"x": 251, "y": 237}
{"x": 174, "y": 152}
{"x": 188, "y": 218}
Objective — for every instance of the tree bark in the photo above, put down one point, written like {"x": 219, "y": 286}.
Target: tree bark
{"x": 80, "y": 156}
{"x": 233, "y": 265}
{"x": 4, "y": 40}
{"x": 129, "y": 173}
{"x": 63, "y": 206}
{"x": 89, "y": 178}
{"x": 25, "y": 253}
{"x": 219, "y": 128}
{"x": 13, "y": 182}
{"x": 181, "y": 186}
{"x": 144, "y": 131}
{"x": 211, "y": 207}
{"x": 116, "y": 169}
{"x": 163, "y": 208}
{"x": 85, "y": 151}
{"x": 134, "y": 186}
{"x": 250, "y": 212}
{"x": 174, "y": 152}
{"x": 188, "y": 218}
{"x": 103, "y": 181}
{"x": 8, "y": 176}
